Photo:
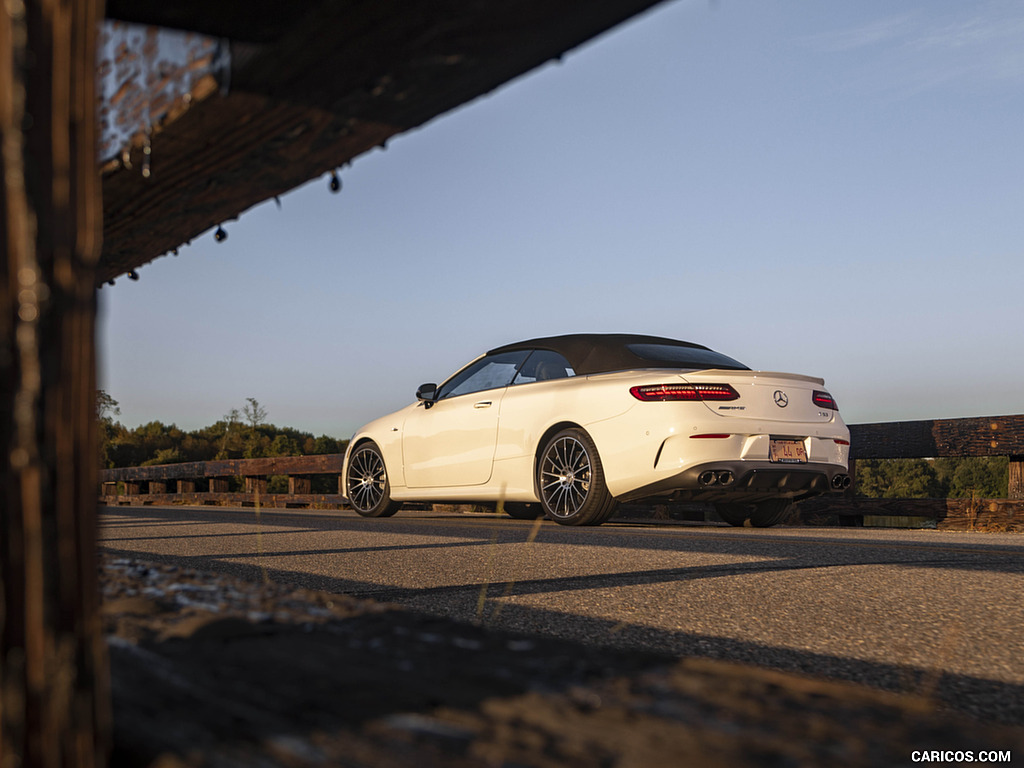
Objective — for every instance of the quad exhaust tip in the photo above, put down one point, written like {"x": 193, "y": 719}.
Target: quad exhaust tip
{"x": 716, "y": 477}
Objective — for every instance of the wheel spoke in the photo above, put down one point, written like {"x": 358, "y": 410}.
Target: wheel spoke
{"x": 565, "y": 476}
{"x": 366, "y": 479}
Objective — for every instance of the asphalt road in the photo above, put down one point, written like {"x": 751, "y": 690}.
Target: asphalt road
{"x": 924, "y": 612}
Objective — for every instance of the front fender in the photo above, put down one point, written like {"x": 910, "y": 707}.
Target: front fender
{"x": 386, "y": 432}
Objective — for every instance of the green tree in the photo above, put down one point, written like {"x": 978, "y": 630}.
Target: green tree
{"x": 231, "y": 435}
{"x": 897, "y": 479}
{"x": 165, "y": 456}
{"x": 283, "y": 445}
{"x": 256, "y": 415}
{"x": 984, "y": 477}
{"x": 106, "y": 409}
{"x": 325, "y": 444}
{"x": 239, "y": 434}
{"x": 106, "y": 406}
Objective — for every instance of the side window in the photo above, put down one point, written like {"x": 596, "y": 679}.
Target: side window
{"x": 491, "y": 372}
{"x": 544, "y": 365}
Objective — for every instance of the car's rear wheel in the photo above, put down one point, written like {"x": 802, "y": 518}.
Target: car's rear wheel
{"x": 523, "y": 510}
{"x": 571, "y": 480}
{"x": 769, "y": 513}
{"x": 733, "y": 514}
{"x": 369, "y": 491}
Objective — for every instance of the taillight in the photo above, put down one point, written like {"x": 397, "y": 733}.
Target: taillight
{"x": 691, "y": 392}
{"x": 824, "y": 400}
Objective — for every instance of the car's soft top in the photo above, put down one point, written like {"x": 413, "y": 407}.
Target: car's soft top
{"x": 604, "y": 352}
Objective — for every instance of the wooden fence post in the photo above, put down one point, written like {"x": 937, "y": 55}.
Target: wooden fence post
{"x": 300, "y": 484}
{"x": 1016, "y": 485}
{"x": 257, "y": 484}
{"x": 54, "y": 704}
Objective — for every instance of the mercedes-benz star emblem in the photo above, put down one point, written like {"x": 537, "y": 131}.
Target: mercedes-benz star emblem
{"x": 781, "y": 399}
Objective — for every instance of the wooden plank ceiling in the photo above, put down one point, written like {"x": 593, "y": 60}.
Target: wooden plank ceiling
{"x": 313, "y": 84}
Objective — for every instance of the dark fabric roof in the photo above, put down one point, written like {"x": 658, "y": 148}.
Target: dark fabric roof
{"x": 601, "y": 352}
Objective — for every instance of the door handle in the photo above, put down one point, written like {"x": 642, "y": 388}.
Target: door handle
{"x": 482, "y": 404}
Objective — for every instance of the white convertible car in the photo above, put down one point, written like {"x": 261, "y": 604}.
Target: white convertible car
{"x": 569, "y": 426}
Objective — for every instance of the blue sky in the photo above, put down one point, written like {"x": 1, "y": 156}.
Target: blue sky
{"x": 826, "y": 188}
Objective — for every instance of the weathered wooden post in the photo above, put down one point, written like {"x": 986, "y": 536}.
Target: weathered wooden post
{"x": 1016, "y": 489}
{"x": 256, "y": 484}
{"x": 53, "y": 679}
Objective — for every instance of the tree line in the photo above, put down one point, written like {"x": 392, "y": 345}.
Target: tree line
{"x": 243, "y": 433}
{"x": 986, "y": 477}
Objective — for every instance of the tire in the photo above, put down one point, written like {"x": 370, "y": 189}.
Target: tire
{"x": 733, "y": 514}
{"x": 570, "y": 480}
{"x": 523, "y": 510}
{"x": 769, "y": 513}
{"x": 366, "y": 481}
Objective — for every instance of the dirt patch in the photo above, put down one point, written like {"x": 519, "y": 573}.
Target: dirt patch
{"x": 211, "y": 671}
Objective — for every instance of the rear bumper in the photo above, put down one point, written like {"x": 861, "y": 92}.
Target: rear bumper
{"x": 751, "y": 481}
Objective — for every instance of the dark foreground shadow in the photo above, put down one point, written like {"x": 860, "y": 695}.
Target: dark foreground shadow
{"x": 395, "y": 688}
{"x": 238, "y": 682}
{"x": 987, "y": 700}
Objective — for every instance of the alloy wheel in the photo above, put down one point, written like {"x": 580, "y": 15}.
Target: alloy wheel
{"x": 565, "y": 476}
{"x": 367, "y": 479}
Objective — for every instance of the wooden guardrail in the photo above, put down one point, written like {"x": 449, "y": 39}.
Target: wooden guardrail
{"x": 987, "y": 436}
{"x": 943, "y": 438}
{"x": 152, "y": 485}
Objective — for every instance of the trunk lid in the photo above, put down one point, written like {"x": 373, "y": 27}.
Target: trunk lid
{"x": 767, "y": 396}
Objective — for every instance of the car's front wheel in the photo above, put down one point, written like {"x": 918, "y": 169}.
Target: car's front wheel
{"x": 369, "y": 491}
{"x": 571, "y": 480}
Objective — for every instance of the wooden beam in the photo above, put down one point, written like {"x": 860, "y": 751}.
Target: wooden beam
{"x": 320, "y": 464}
{"x": 327, "y": 82}
{"x": 54, "y": 702}
{"x": 945, "y": 514}
{"x": 260, "y": 21}
{"x": 986, "y": 436}
{"x": 269, "y": 500}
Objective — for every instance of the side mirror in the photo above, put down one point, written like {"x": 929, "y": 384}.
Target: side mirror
{"x": 427, "y": 394}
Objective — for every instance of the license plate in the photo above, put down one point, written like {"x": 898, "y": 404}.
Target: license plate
{"x": 787, "y": 451}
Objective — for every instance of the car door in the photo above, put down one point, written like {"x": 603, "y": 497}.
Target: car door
{"x": 450, "y": 441}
